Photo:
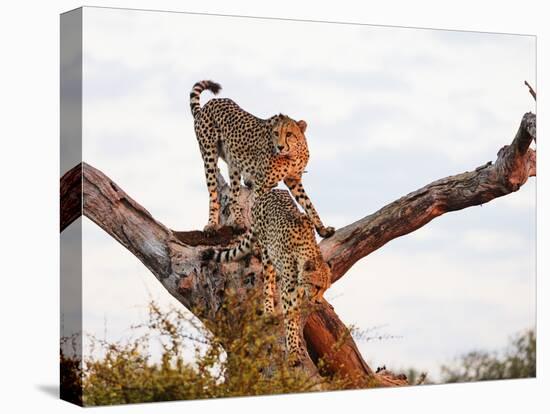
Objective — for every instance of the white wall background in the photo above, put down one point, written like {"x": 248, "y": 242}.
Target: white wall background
{"x": 29, "y": 81}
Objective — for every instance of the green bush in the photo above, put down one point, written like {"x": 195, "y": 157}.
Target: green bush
{"x": 518, "y": 361}
{"x": 237, "y": 354}
{"x": 70, "y": 368}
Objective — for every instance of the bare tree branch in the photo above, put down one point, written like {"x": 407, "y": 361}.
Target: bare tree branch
{"x": 173, "y": 262}
{"x": 514, "y": 165}
{"x": 531, "y": 90}
{"x": 70, "y": 196}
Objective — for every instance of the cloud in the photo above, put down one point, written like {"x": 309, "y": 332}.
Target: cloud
{"x": 484, "y": 240}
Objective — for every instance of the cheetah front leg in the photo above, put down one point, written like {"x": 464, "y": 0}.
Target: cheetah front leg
{"x": 235, "y": 211}
{"x": 291, "y": 298}
{"x": 269, "y": 284}
{"x": 297, "y": 189}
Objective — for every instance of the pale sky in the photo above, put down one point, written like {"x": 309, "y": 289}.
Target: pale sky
{"x": 388, "y": 111}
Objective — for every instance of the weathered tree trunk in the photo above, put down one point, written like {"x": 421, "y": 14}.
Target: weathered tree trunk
{"x": 173, "y": 257}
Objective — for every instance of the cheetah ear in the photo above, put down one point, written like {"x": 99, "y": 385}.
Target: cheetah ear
{"x": 309, "y": 265}
{"x": 302, "y": 125}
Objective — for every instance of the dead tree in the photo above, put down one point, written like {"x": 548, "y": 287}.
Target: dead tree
{"x": 173, "y": 257}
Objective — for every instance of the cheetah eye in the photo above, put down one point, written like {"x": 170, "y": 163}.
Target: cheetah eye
{"x": 288, "y": 134}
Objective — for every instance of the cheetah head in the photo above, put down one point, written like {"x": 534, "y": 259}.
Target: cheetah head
{"x": 317, "y": 277}
{"x": 288, "y": 136}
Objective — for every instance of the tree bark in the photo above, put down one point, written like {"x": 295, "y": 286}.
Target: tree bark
{"x": 70, "y": 198}
{"x": 174, "y": 257}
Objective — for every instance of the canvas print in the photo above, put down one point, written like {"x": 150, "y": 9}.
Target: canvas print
{"x": 256, "y": 206}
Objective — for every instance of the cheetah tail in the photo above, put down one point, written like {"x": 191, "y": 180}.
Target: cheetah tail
{"x": 196, "y": 94}
{"x": 236, "y": 253}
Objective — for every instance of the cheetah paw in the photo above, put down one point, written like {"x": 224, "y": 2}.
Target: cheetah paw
{"x": 238, "y": 227}
{"x": 326, "y": 232}
{"x": 211, "y": 228}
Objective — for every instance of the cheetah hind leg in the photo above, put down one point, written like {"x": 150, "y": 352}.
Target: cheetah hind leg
{"x": 292, "y": 296}
{"x": 210, "y": 157}
{"x": 214, "y": 204}
{"x": 236, "y": 219}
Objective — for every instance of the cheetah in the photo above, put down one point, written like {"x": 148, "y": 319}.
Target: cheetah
{"x": 261, "y": 151}
{"x": 290, "y": 255}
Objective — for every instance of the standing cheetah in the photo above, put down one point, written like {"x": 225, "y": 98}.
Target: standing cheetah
{"x": 262, "y": 151}
{"x": 289, "y": 250}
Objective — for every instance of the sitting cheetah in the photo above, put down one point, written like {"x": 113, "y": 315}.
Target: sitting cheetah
{"x": 288, "y": 248}
{"x": 262, "y": 151}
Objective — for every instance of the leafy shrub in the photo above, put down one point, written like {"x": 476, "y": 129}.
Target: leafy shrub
{"x": 518, "y": 361}
{"x": 237, "y": 354}
{"x": 70, "y": 368}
